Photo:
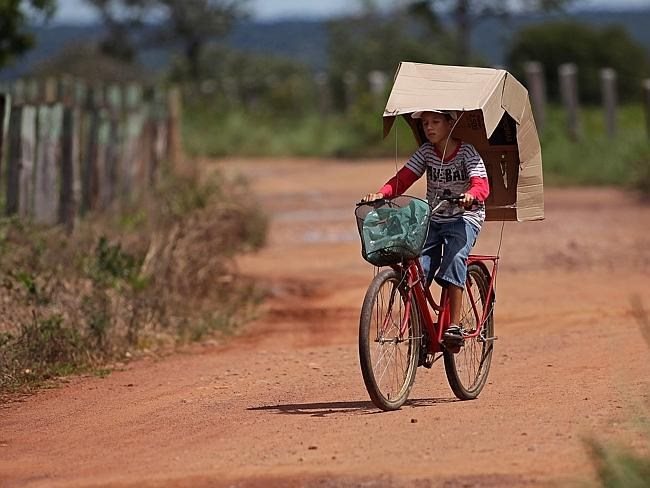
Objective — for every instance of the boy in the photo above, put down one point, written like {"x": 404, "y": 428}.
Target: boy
{"x": 461, "y": 172}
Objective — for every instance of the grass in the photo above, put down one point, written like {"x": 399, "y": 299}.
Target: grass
{"x": 593, "y": 160}
{"x": 358, "y": 133}
{"x": 150, "y": 276}
{"x": 619, "y": 466}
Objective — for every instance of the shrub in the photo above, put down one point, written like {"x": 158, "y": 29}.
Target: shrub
{"x": 554, "y": 43}
{"x": 115, "y": 287}
{"x": 640, "y": 164}
{"x": 619, "y": 466}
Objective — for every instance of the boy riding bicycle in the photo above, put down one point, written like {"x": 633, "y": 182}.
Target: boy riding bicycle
{"x": 452, "y": 166}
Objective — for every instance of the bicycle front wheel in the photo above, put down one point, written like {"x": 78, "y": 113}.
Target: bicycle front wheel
{"x": 467, "y": 370}
{"x": 389, "y": 340}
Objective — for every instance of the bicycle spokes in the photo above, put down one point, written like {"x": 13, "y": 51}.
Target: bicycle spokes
{"x": 467, "y": 368}
{"x": 389, "y": 341}
{"x": 390, "y": 352}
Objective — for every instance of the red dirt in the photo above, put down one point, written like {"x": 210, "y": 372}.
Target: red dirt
{"x": 283, "y": 404}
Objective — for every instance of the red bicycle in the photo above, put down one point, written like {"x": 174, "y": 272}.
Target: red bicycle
{"x": 401, "y": 326}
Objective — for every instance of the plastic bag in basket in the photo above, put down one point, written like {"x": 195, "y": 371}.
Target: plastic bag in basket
{"x": 391, "y": 234}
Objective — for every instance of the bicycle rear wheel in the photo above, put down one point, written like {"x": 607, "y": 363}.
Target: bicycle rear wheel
{"x": 389, "y": 343}
{"x": 467, "y": 370}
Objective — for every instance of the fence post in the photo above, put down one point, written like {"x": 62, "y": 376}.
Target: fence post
{"x": 133, "y": 128}
{"x": 18, "y": 92}
{"x": 646, "y": 104}
{"x": 13, "y": 160}
{"x": 115, "y": 149}
{"x": 160, "y": 116}
{"x": 322, "y": 86}
{"x": 537, "y": 88}
{"x": 47, "y": 176}
{"x": 568, "y": 73}
{"x": 350, "y": 87}
{"x": 33, "y": 91}
{"x": 148, "y": 144}
{"x": 174, "y": 128}
{"x": 70, "y": 153}
{"x": 50, "y": 90}
{"x": 608, "y": 89}
{"x": 377, "y": 81}
{"x": 5, "y": 111}
{"x": 20, "y": 171}
{"x": 93, "y": 154}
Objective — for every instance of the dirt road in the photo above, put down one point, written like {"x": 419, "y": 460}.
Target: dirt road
{"x": 283, "y": 404}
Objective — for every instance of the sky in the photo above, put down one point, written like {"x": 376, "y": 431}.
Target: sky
{"x": 77, "y": 11}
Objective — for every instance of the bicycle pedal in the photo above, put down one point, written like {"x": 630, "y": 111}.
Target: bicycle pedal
{"x": 428, "y": 361}
{"x": 453, "y": 343}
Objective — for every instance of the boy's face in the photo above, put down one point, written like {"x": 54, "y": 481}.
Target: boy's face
{"x": 436, "y": 126}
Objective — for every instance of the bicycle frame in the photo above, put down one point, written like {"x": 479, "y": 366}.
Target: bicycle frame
{"x": 426, "y": 303}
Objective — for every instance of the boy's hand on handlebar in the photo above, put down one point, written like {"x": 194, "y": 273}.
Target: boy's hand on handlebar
{"x": 466, "y": 200}
{"x": 371, "y": 197}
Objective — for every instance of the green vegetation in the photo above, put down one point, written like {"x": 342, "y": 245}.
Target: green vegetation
{"x": 590, "y": 48}
{"x": 209, "y": 130}
{"x": 146, "y": 278}
{"x": 622, "y": 466}
{"x": 594, "y": 160}
{"x": 16, "y": 38}
{"x": 619, "y": 467}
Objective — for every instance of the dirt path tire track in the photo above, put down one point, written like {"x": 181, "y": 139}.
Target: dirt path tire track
{"x": 284, "y": 403}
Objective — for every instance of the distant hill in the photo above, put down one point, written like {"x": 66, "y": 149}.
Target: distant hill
{"x": 492, "y": 37}
{"x": 306, "y": 40}
{"x": 301, "y": 40}
{"x": 50, "y": 40}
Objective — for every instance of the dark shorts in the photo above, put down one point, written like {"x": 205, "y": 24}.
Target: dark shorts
{"x": 444, "y": 257}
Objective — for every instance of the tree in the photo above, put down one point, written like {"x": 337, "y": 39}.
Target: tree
{"x": 15, "y": 38}
{"x": 467, "y": 13}
{"x": 84, "y": 62}
{"x": 121, "y": 18}
{"x": 589, "y": 48}
{"x": 234, "y": 80}
{"x": 372, "y": 41}
{"x": 197, "y": 22}
{"x": 191, "y": 23}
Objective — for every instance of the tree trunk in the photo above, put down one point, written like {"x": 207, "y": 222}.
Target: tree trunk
{"x": 192, "y": 53}
{"x": 463, "y": 31}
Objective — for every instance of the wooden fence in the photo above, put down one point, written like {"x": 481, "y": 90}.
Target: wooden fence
{"x": 568, "y": 81}
{"x": 69, "y": 148}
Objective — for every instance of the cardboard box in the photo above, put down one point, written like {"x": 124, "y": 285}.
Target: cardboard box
{"x": 495, "y": 116}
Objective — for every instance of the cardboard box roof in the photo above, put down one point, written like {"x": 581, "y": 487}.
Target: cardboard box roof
{"x": 496, "y": 118}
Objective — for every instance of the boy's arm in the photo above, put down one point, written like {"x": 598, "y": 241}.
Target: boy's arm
{"x": 399, "y": 183}
{"x": 479, "y": 188}
{"x": 479, "y": 185}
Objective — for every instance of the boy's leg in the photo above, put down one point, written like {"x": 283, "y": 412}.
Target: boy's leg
{"x": 455, "y": 303}
{"x": 431, "y": 252}
{"x": 459, "y": 238}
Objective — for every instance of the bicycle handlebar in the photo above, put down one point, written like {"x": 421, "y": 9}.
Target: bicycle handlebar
{"x": 378, "y": 201}
{"x": 446, "y": 196}
{"x": 452, "y": 197}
